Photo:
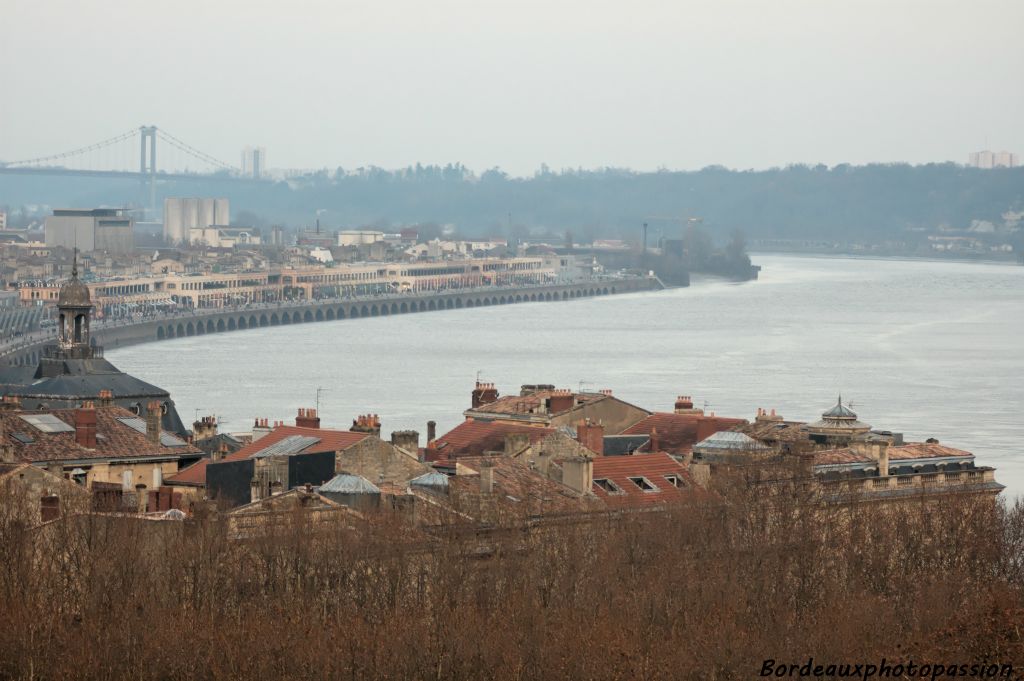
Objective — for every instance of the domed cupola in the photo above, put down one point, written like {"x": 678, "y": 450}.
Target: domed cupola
{"x": 838, "y": 425}
{"x": 75, "y": 306}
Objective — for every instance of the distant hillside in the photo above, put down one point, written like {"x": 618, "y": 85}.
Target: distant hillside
{"x": 868, "y": 202}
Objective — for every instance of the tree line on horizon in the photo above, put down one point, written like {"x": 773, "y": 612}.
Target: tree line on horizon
{"x": 874, "y": 202}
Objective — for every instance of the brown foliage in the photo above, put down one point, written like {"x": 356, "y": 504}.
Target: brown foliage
{"x": 699, "y": 592}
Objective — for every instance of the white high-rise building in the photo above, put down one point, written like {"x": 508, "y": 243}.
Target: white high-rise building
{"x": 183, "y": 214}
{"x": 992, "y": 159}
{"x": 254, "y": 161}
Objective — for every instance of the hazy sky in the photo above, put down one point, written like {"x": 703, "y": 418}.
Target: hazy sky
{"x": 636, "y": 83}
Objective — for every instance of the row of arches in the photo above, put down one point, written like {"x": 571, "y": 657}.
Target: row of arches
{"x": 180, "y": 329}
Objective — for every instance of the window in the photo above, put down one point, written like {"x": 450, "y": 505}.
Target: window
{"x": 676, "y": 481}
{"x": 608, "y": 486}
{"x": 643, "y": 483}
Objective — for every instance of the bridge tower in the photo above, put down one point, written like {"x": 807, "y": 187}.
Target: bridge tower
{"x": 147, "y": 165}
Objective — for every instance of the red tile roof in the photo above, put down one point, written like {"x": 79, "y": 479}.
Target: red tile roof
{"x": 473, "y": 438}
{"x": 678, "y": 433}
{"x": 518, "y": 489}
{"x": 114, "y": 439}
{"x": 907, "y": 452}
{"x": 330, "y": 441}
{"x": 653, "y": 467}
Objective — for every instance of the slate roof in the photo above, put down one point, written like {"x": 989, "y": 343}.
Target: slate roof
{"x": 473, "y": 438}
{"x": 908, "y": 452}
{"x": 114, "y": 438}
{"x": 732, "y": 441}
{"x": 517, "y": 490}
{"x": 677, "y": 433}
{"x": 620, "y": 445}
{"x": 653, "y": 468}
{"x": 346, "y": 483}
{"x": 326, "y": 441}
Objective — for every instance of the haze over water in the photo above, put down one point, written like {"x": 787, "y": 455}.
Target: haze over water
{"x": 930, "y": 349}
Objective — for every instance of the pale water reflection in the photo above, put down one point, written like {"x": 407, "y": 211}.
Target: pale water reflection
{"x": 932, "y": 349}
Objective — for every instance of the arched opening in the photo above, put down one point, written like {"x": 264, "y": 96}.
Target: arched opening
{"x": 243, "y": 323}
{"x": 190, "y": 330}
{"x": 296, "y": 317}
{"x": 533, "y": 297}
{"x": 307, "y": 316}
{"x": 565, "y": 295}
{"x": 209, "y": 326}
{"x": 547, "y": 296}
{"x": 374, "y": 311}
{"x": 404, "y": 308}
{"x": 285, "y": 319}
{"x": 364, "y": 312}
{"x": 519, "y": 299}
{"x": 221, "y": 326}
{"x": 232, "y": 324}
{"x": 264, "y": 321}
{"x": 200, "y": 329}
{"x": 384, "y": 310}
{"x": 341, "y": 313}
{"x": 591, "y": 292}
{"x": 253, "y": 322}
{"x": 502, "y": 300}
{"x": 431, "y": 305}
{"x": 394, "y": 308}
{"x": 353, "y": 313}
{"x": 604, "y": 292}
{"x": 181, "y": 331}
{"x": 469, "y": 303}
{"x": 170, "y": 331}
{"x": 329, "y": 315}
{"x": 449, "y": 304}
{"x": 458, "y": 302}
{"x": 160, "y": 333}
{"x": 320, "y": 315}
{"x": 613, "y": 289}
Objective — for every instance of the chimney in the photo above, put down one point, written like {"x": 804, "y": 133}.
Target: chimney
{"x": 515, "y": 443}
{"x": 486, "y": 476}
{"x": 607, "y": 392}
{"x": 430, "y": 451}
{"x": 153, "y": 414}
{"x": 409, "y": 440}
{"x": 883, "y": 458}
{"x": 140, "y": 497}
{"x": 684, "y": 404}
{"x": 484, "y": 393}
{"x": 260, "y": 428}
{"x": 431, "y": 431}
{"x": 560, "y": 400}
{"x": 11, "y": 402}
{"x": 254, "y": 490}
{"x": 204, "y": 428}
{"x": 655, "y": 444}
{"x": 106, "y": 398}
{"x": 85, "y": 425}
{"x": 217, "y": 455}
{"x": 366, "y": 423}
{"x": 590, "y": 434}
{"x": 578, "y": 474}
{"x": 307, "y": 418}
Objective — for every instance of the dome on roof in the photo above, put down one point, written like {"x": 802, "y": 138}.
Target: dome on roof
{"x": 73, "y": 293}
{"x": 839, "y": 412}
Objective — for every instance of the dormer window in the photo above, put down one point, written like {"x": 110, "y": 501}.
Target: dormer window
{"x": 643, "y": 483}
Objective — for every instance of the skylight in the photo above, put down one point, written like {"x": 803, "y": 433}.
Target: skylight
{"x": 47, "y": 423}
{"x": 643, "y": 483}
{"x": 608, "y": 486}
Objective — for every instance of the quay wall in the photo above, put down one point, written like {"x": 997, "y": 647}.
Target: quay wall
{"x": 218, "y": 320}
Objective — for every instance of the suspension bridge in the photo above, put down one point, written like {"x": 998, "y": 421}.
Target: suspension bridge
{"x": 132, "y": 155}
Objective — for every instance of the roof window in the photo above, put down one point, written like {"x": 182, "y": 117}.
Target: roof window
{"x": 643, "y": 483}
{"x": 675, "y": 480}
{"x": 608, "y": 486}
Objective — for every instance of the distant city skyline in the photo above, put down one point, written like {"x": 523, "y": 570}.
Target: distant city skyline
{"x": 643, "y": 85}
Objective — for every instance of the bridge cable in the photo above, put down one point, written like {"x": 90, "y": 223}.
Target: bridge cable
{"x": 76, "y": 152}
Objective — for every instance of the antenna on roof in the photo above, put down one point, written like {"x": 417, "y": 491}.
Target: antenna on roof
{"x": 319, "y": 390}
{"x": 582, "y": 383}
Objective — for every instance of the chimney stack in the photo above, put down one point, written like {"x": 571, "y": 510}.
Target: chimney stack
{"x": 85, "y": 425}
{"x": 684, "y": 405}
{"x": 217, "y": 455}
{"x": 560, "y": 400}
{"x": 106, "y": 398}
{"x": 153, "y": 414}
{"x": 486, "y": 476}
{"x": 578, "y": 474}
{"x": 655, "y": 445}
{"x": 140, "y": 498}
{"x": 260, "y": 427}
{"x": 307, "y": 418}
{"x": 409, "y": 440}
{"x": 484, "y": 393}
{"x": 590, "y": 434}
{"x": 366, "y": 423}
{"x": 431, "y": 431}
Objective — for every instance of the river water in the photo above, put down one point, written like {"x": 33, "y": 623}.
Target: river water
{"x": 930, "y": 349}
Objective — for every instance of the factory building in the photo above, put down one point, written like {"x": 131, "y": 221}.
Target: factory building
{"x": 181, "y": 215}
{"x": 96, "y": 229}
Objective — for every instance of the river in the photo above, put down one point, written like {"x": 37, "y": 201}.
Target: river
{"x": 930, "y": 349}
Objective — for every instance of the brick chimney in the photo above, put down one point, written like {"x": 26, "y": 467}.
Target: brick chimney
{"x": 431, "y": 431}
{"x": 560, "y": 400}
{"x": 578, "y": 474}
{"x": 85, "y": 425}
{"x": 484, "y": 393}
{"x": 409, "y": 440}
{"x": 106, "y": 398}
{"x": 590, "y": 434}
{"x": 204, "y": 429}
{"x": 307, "y": 418}
{"x": 655, "y": 445}
{"x": 684, "y": 405}
{"x": 153, "y": 414}
{"x": 218, "y": 454}
{"x": 366, "y": 423}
